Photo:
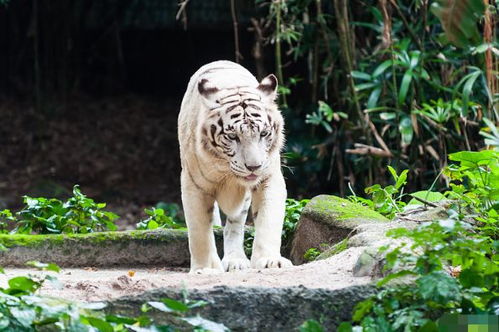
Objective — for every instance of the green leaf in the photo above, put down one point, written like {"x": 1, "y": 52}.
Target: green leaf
{"x": 439, "y": 287}
{"x": 362, "y": 309}
{"x": 175, "y": 305}
{"x": 373, "y": 98}
{"x": 402, "y": 179}
{"x": 345, "y": 327}
{"x": 404, "y": 86}
{"x": 393, "y": 276}
{"x": 473, "y": 158}
{"x": 406, "y": 130}
{"x": 387, "y": 115}
{"x": 393, "y": 172}
{"x": 206, "y": 324}
{"x": 467, "y": 89}
{"x": 25, "y": 316}
{"x": 414, "y": 58}
{"x": 44, "y": 266}
{"x": 94, "y": 305}
{"x": 430, "y": 196}
{"x": 152, "y": 224}
{"x": 120, "y": 319}
{"x": 100, "y": 324}
{"x": 23, "y": 283}
{"x": 365, "y": 86}
{"x": 361, "y": 75}
{"x": 311, "y": 325}
{"x": 160, "y": 306}
{"x": 459, "y": 20}
{"x": 429, "y": 326}
{"x": 382, "y": 67}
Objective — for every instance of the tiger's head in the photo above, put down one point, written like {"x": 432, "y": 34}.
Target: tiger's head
{"x": 243, "y": 126}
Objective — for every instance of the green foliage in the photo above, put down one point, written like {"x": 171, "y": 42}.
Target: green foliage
{"x": 388, "y": 200}
{"x": 452, "y": 269}
{"x": 491, "y": 134}
{"x": 459, "y": 20}
{"x": 476, "y": 186}
{"x": 79, "y": 214}
{"x": 413, "y": 94}
{"x": 324, "y": 116}
{"x": 165, "y": 215}
{"x": 448, "y": 266}
{"x": 6, "y": 217}
{"x": 311, "y": 325}
{"x": 22, "y": 309}
{"x": 311, "y": 254}
{"x": 293, "y": 211}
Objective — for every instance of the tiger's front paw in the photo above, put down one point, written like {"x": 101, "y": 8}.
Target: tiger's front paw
{"x": 235, "y": 263}
{"x": 270, "y": 262}
{"x": 210, "y": 265}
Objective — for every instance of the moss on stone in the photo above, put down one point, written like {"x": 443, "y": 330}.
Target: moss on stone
{"x": 50, "y": 240}
{"x": 328, "y": 207}
{"x": 334, "y": 250}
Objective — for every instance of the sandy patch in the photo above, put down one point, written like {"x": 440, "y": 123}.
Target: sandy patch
{"x": 92, "y": 284}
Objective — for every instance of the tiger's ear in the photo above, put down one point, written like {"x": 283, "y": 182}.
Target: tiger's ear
{"x": 268, "y": 86}
{"x": 207, "y": 90}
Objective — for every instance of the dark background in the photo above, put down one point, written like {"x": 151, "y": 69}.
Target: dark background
{"x": 90, "y": 91}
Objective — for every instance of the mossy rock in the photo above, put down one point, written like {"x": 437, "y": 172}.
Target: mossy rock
{"x": 339, "y": 212}
{"x": 158, "y": 248}
{"x": 327, "y": 220}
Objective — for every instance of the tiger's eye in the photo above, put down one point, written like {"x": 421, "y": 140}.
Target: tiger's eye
{"x": 232, "y": 136}
{"x": 264, "y": 133}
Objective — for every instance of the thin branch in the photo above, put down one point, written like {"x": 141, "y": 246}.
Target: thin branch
{"x": 257, "y": 51}
{"x": 278, "y": 52}
{"x": 363, "y": 149}
{"x": 424, "y": 201}
{"x": 378, "y": 137}
{"x": 182, "y": 12}
{"x": 236, "y": 30}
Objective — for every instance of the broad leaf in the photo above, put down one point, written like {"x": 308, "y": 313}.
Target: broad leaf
{"x": 429, "y": 196}
{"x": 459, "y": 20}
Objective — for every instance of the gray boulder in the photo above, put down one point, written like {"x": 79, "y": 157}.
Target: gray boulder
{"x": 257, "y": 309}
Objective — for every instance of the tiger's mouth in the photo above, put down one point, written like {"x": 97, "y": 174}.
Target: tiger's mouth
{"x": 251, "y": 177}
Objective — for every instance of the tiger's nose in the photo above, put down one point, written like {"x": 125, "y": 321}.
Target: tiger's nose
{"x": 253, "y": 168}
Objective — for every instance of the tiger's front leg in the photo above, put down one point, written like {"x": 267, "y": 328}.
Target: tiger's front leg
{"x": 198, "y": 212}
{"x": 269, "y": 202}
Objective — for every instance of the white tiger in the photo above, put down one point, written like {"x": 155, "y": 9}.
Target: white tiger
{"x": 231, "y": 133}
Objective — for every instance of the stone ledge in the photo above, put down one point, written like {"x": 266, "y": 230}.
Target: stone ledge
{"x": 257, "y": 309}
{"x": 166, "y": 247}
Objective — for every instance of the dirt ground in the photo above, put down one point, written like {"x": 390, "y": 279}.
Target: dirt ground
{"x": 121, "y": 150}
{"x": 92, "y": 284}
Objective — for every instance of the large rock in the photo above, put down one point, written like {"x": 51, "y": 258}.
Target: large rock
{"x": 327, "y": 220}
{"x": 166, "y": 247}
{"x": 257, "y": 309}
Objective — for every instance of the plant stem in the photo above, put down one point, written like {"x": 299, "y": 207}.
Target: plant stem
{"x": 278, "y": 53}
{"x": 345, "y": 34}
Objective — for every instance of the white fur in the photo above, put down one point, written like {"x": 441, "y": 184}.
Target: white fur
{"x": 210, "y": 178}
